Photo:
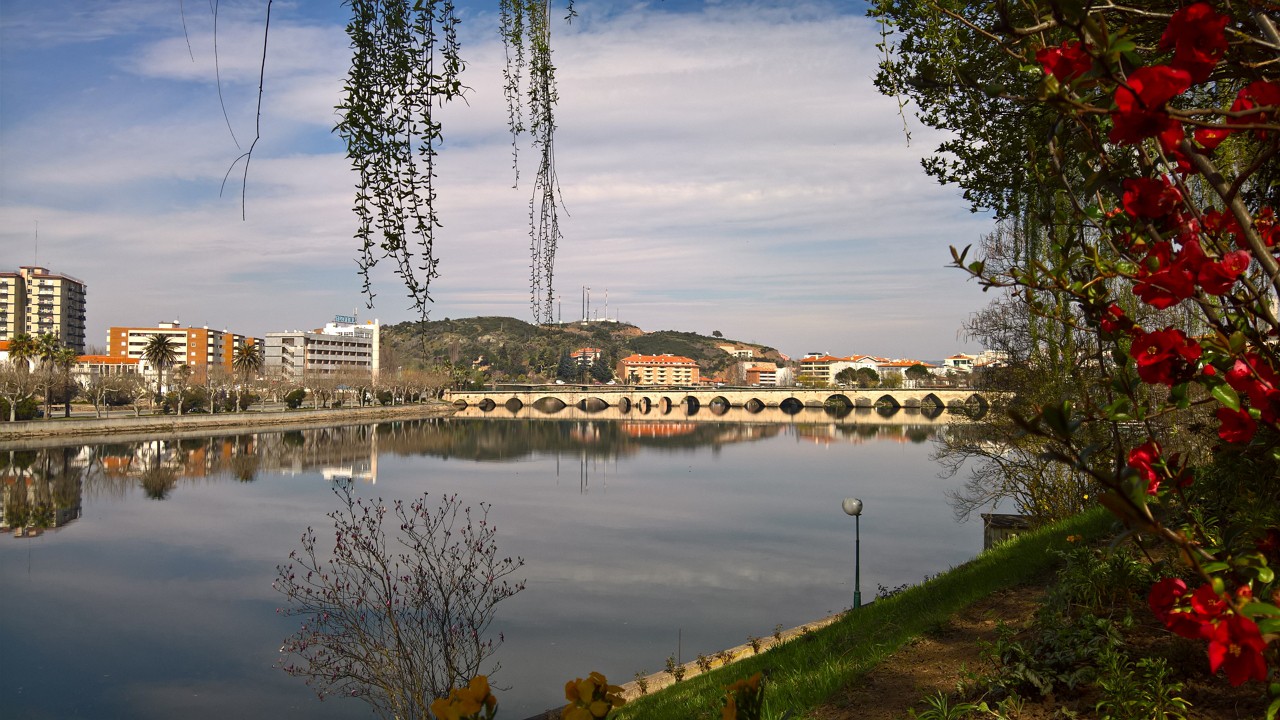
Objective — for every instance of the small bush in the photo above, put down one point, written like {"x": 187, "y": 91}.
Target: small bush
{"x": 293, "y": 399}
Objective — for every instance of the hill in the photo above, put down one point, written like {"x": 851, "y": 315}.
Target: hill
{"x": 515, "y": 350}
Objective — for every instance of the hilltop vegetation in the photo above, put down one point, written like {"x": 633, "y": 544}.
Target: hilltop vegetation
{"x": 517, "y": 350}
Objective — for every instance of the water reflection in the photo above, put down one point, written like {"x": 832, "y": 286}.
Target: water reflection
{"x": 43, "y": 486}
{"x": 635, "y": 533}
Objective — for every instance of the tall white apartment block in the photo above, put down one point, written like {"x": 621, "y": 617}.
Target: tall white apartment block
{"x": 38, "y": 302}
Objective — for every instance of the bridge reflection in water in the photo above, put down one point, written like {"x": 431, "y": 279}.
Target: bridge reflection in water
{"x": 838, "y": 415}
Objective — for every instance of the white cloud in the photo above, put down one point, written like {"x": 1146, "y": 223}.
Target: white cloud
{"x": 729, "y": 168}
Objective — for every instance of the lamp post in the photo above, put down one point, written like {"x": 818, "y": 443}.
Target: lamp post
{"x": 853, "y": 506}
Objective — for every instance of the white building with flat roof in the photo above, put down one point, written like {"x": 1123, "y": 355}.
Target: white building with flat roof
{"x": 342, "y": 344}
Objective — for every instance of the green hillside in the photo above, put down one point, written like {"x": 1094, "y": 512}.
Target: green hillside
{"x": 516, "y": 350}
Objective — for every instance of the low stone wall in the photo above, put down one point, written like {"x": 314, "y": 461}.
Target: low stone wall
{"x": 44, "y": 433}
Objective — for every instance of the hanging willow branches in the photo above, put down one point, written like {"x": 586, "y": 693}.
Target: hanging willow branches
{"x": 405, "y": 65}
{"x": 529, "y": 72}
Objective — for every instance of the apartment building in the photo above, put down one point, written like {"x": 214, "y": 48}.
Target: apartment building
{"x": 658, "y": 370}
{"x": 342, "y": 344}
{"x": 200, "y": 347}
{"x": 37, "y": 302}
{"x": 761, "y": 373}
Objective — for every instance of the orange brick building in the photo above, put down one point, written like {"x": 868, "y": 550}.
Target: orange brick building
{"x": 197, "y": 347}
{"x": 658, "y": 370}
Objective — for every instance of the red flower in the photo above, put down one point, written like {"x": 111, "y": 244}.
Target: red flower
{"x": 1211, "y": 137}
{"x": 1196, "y": 35}
{"x": 1237, "y": 645}
{"x": 1237, "y": 425}
{"x": 1257, "y": 94}
{"x": 1066, "y": 62}
{"x": 1217, "y": 277}
{"x": 1268, "y": 228}
{"x": 1164, "y": 595}
{"x": 1252, "y": 376}
{"x": 1149, "y": 197}
{"x": 1207, "y": 603}
{"x": 1164, "y": 357}
{"x": 1114, "y": 320}
{"x": 1146, "y": 459}
{"x": 1166, "y": 286}
{"x": 1138, "y": 115}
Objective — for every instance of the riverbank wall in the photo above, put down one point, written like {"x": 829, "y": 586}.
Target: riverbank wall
{"x": 33, "y": 434}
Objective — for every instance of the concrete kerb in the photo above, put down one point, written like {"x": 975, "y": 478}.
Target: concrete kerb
{"x": 659, "y": 680}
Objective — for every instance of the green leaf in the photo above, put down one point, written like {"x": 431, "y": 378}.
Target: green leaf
{"x": 1257, "y": 607}
{"x": 1266, "y": 575}
{"x": 1214, "y": 567}
{"x": 1227, "y": 395}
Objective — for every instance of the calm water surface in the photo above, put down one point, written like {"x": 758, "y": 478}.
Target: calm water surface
{"x": 152, "y": 598}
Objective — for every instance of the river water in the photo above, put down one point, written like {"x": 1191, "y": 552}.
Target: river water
{"x": 149, "y": 596}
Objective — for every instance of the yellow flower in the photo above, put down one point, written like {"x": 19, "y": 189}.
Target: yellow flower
{"x": 590, "y": 699}
{"x": 465, "y": 703}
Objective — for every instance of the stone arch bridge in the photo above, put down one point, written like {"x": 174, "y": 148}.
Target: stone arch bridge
{"x": 660, "y": 400}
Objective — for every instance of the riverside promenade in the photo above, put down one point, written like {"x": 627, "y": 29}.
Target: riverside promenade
{"x": 30, "y": 434}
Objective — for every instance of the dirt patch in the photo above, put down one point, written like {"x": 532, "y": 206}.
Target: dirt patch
{"x": 932, "y": 662}
{"x": 943, "y": 658}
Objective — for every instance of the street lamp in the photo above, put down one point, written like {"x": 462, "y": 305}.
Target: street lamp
{"x": 853, "y": 506}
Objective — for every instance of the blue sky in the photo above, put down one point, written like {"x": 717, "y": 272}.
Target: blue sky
{"x": 725, "y": 166}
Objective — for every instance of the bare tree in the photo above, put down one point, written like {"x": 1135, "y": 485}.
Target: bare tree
{"x": 396, "y": 621}
{"x": 16, "y": 385}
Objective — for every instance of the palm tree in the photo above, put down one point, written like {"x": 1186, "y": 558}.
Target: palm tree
{"x": 65, "y": 359}
{"x": 160, "y": 352}
{"x": 22, "y": 347}
{"x": 246, "y": 359}
{"x": 47, "y": 347}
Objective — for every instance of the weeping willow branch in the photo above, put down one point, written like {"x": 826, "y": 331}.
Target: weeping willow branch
{"x": 526, "y": 33}
{"x": 406, "y": 63}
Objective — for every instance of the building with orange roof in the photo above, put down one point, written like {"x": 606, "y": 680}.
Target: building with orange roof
{"x": 89, "y": 368}
{"x": 658, "y": 370}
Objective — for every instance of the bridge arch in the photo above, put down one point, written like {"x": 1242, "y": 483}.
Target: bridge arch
{"x": 719, "y": 405}
{"x": 550, "y": 405}
{"x": 888, "y": 401}
{"x": 487, "y": 404}
{"x": 754, "y": 405}
{"x": 592, "y": 404}
{"x": 932, "y": 400}
{"x": 691, "y": 405}
{"x": 624, "y": 404}
{"x": 791, "y": 406}
{"x": 839, "y": 399}
{"x": 665, "y": 405}
{"x": 513, "y": 404}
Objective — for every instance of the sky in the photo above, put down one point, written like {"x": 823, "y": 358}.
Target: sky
{"x": 725, "y": 166}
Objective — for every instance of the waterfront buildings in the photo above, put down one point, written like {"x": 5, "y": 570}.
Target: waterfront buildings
{"x": 38, "y": 302}
{"x": 342, "y": 344}
{"x": 658, "y": 370}
{"x": 200, "y": 348}
{"x": 89, "y": 368}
